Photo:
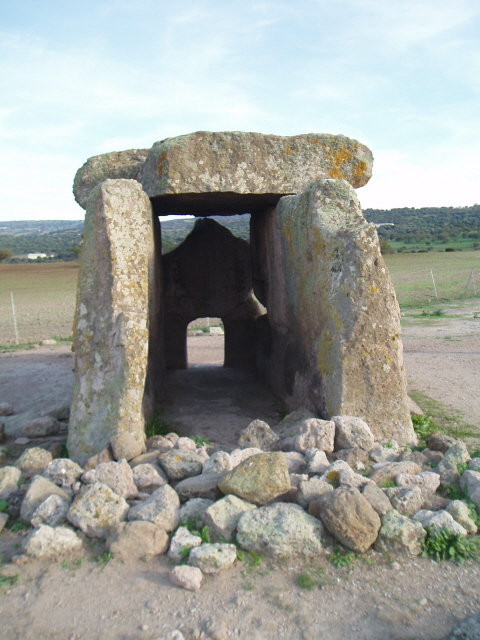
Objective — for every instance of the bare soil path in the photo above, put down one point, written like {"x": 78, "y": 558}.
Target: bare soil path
{"x": 77, "y": 599}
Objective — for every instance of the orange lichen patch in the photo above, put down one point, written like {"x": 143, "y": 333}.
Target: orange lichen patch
{"x": 359, "y": 169}
{"x": 288, "y": 151}
{"x": 315, "y": 141}
{"x": 161, "y": 160}
{"x": 373, "y": 289}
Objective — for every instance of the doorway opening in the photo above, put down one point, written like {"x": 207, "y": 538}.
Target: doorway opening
{"x": 205, "y": 343}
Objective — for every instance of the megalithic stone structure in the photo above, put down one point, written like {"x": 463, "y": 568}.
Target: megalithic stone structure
{"x": 112, "y": 317}
{"x": 330, "y": 337}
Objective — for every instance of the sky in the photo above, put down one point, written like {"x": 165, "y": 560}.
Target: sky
{"x": 81, "y": 78}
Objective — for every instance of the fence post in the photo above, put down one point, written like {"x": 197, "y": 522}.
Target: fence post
{"x": 14, "y": 319}
{"x": 434, "y": 287}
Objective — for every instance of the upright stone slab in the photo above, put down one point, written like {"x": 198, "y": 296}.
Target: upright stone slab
{"x": 111, "y": 318}
{"x": 333, "y": 341}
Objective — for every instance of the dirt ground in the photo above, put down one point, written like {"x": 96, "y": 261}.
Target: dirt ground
{"x": 379, "y": 598}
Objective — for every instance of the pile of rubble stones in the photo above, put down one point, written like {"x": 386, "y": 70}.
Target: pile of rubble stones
{"x": 283, "y": 494}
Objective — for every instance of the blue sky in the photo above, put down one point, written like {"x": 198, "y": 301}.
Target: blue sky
{"x": 82, "y": 78}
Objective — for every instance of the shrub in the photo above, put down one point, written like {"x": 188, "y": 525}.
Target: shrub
{"x": 445, "y": 545}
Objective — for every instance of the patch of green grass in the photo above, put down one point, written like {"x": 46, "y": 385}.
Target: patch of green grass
{"x": 199, "y": 440}
{"x": 388, "y": 484}
{"x": 205, "y": 535}
{"x": 445, "y": 545}
{"x": 157, "y": 426}
{"x": 20, "y": 525}
{"x": 253, "y": 559}
{"x": 3, "y": 506}
{"x": 340, "y": 557}
{"x": 184, "y": 553}
{"x": 104, "y": 558}
{"x": 306, "y": 581}
{"x": 9, "y": 581}
{"x": 437, "y": 313}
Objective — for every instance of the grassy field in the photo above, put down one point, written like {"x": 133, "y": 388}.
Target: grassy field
{"x": 412, "y": 278}
{"x": 44, "y": 294}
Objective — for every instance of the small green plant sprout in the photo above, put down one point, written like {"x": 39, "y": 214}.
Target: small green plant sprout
{"x": 388, "y": 444}
{"x": 184, "y": 553}
{"x": 194, "y": 525}
{"x": 424, "y": 426}
{"x": 389, "y": 483}
{"x": 445, "y": 545}
{"x": 340, "y": 557}
{"x": 205, "y": 534}
{"x": 8, "y": 581}
{"x": 306, "y": 581}
{"x": 104, "y": 558}
{"x": 3, "y": 506}
{"x": 254, "y": 559}
{"x": 200, "y": 441}
{"x": 462, "y": 467}
{"x": 20, "y": 525}
{"x": 157, "y": 426}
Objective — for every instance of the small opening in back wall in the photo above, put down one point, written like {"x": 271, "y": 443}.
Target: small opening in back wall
{"x": 205, "y": 343}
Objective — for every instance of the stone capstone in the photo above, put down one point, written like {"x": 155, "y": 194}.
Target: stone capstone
{"x": 161, "y": 508}
{"x": 282, "y": 531}
{"x": 250, "y": 164}
{"x": 350, "y": 518}
{"x": 49, "y": 542}
{"x": 213, "y": 557}
{"x": 258, "y": 479}
{"x": 136, "y": 540}
{"x": 97, "y": 508}
{"x": 400, "y": 534}
{"x": 117, "y": 164}
{"x": 222, "y": 517}
{"x": 110, "y": 334}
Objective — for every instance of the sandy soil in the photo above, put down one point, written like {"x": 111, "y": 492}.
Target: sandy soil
{"x": 81, "y": 600}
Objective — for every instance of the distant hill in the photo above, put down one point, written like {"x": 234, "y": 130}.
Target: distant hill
{"x": 407, "y": 229}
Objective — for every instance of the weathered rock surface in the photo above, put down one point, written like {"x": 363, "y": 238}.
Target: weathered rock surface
{"x": 317, "y": 461}
{"x": 439, "y": 520}
{"x": 470, "y": 482}
{"x": 49, "y": 542}
{"x": 239, "y": 455}
{"x": 33, "y": 461}
{"x": 461, "y": 514}
{"x": 296, "y": 462}
{"x": 159, "y": 443}
{"x": 222, "y": 517}
{"x": 259, "y": 479}
{"x": 52, "y": 511}
{"x": 161, "y": 508}
{"x": 110, "y": 327}
{"x": 282, "y": 531}
{"x": 117, "y": 164}
{"x": 437, "y": 442}
{"x": 351, "y": 432}
{"x": 310, "y": 433}
{"x": 9, "y": 479}
{"x": 189, "y": 578}
{"x": 393, "y": 469}
{"x": 39, "y": 490}
{"x": 105, "y": 455}
{"x": 3, "y": 520}
{"x": 405, "y": 500}
{"x": 376, "y": 498}
{"x": 311, "y": 489}
{"x": 213, "y": 558}
{"x": 202, "y": 486}
{"x": 194, "y": 510}
{"x": 179, "y": 464}
{"x": 185, "y": 443}
{"x": 400, "y": 534}
{"x": 342, "y": 355}
{"x": 116, "y": 475}
{"x": 136, "y": 540}
{"x": 258, "y": 434}
{"x": 447, "y": 468}
{"x": 468, "y": 629}
{"x": 46, "y": 426}
{"x": 63, "y": 471}
{"x": 350, "y": 518}
{"x": 427, "y": 481}
{"x": 217, "y": 463}
{"x": 97, "y": 508}
{"x": 182, "y": 540}
{"x": 385, "y": 452}
{"x": 148, "y": 477}
{"x": 125, "y": 446}
{"x": 356, "y": 458}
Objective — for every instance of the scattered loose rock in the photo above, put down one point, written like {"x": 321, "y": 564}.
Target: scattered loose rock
{"x": 351, "y": 433}
{"x": 182, "y": 540}
{"x": 161, "y": 508}
{"x": 189, "y": 578}
{"x": 39, "y": 490}
{"x": 97, "y": 508}
{"x": 222, "y": 517}
{"x": 49, "y": 542}
{"x": 6, "y": 409}
{"x": 181, "y": 463}
{"x": 40, "y": 427}
{"x": 136, "y": 540}
{"x": 9, "y": 479}
{"x": 63, "y": 472}
{"x": 33, "y": 462}
{"x": 213, "y": 558}
{"x": 125, "y": 446}
{"x": 259, "y": 434}
{"x": 52, "y": 511}
{"x": 400, "y": 534}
